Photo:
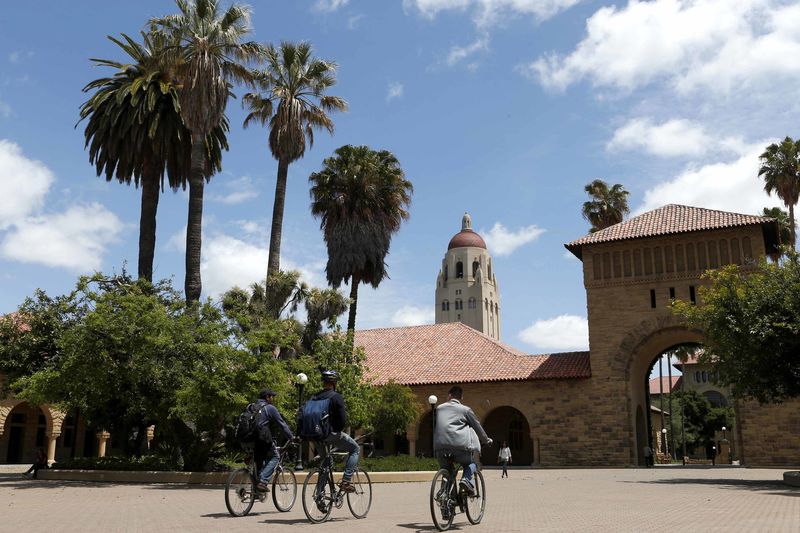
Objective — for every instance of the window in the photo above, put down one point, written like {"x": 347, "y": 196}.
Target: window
{"x": 626, "y": 263}
{"x": 490, "y": 271}
{"x": 472, "y": 303}
{"x": 606, "y": 265}
{"x": 703, "y": 376}
{"x": 672, "y": 293}
{"x": 697, "y": 377}
{"x": 648, "y": 261}
{"x": 692, "y": 295}
{"x": 445, "y": 272}
{"x": 653, "y": 298}
{"x": 658, "y": 259}
{"x": 459, "y": 305}
{"x": 617, "y": 265}
{"x": 515, "y": 432}
{"x": 459, "y": 270}
{"x": 680, "y": 265}
{"x": 475, "y": 265}
{"x": 668, "y": 258}
{"x": 445, "y": 305}
{"x": 597, "y": 271}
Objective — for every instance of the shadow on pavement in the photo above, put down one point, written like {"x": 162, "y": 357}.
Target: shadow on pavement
{"x": 776, "y": 487}
{"x": 426, "y": 527}
{"x": 294, "y": 521}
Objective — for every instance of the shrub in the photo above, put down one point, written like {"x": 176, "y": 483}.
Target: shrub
{"x": 143, "y": 463}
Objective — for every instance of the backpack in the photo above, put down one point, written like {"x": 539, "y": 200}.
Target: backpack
{"x": 314, "y": 423}
{"x": 247, "y": 431}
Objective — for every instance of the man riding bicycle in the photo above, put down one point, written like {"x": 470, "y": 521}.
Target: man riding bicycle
{"x": 337, "y": 420}
{"x": 265, "y": 452}
{"x": 454, "y": 438}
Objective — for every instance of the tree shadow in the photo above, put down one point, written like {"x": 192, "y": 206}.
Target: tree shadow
{"x": 776, "y": 487}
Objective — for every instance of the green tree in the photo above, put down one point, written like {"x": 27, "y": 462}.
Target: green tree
{"x": 702, "y": 419}
{"x": 361, "y": 197}
{"x": 751, "y": 322}
{"x": 780, "y": 168}
{"x": 607, "y": 207}
{"x": 784, "y": 229}
{"x": 395, "y": 408}
{"x": 134, "y": 131}
{"x": 211, "y": 55}
{"x": 293, "y": 102}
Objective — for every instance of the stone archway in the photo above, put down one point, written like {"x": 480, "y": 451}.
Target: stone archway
{"x": 25, "y": 428}
{"x": 506, "y": 423}
{"x": 424, "y": 440}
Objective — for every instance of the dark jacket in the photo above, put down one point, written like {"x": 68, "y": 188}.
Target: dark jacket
{"x": 337, "y": 414}
{"x": 267, "y": 413}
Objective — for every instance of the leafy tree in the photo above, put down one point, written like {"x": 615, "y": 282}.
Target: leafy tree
{"x": 361, "y": 197}
{"x": 134, "y": 131}
{"x": 293, "y": 102}
{"x": 780, "y": 168}
{"x": 751, "y": 322}
{"x": 701, "y": 419}
{"x": 608, "y": 205}
{"x": 211, "y": 55}
{"x": 395, "y": 408}
{"x": 784, "y": 229}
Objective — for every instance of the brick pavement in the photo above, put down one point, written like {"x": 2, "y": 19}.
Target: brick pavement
{"x": 619, "y": 500}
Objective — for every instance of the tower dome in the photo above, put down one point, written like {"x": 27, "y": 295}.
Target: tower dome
{"x": 466, "y": 237}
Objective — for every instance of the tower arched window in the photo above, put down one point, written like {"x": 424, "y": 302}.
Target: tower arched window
{"x": 475, "y": 266}
{"x": 445, "y": 305}
{"x": 459, "y": 270}
{"x": 489, "y": 270}
{"x": 472, "y": 303}
{"x": 486, "y": 304}
{"x": 459, "y": 305}
{"x": 445, "y": 272}
{"x": 496, "y": 309}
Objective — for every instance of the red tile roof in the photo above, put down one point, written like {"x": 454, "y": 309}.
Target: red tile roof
{"x": 456, "y": 353}
{"x": 672, "y": 219}
{"x": 654, "y": 386}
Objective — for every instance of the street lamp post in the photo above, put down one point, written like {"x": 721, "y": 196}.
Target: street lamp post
{"x": 300, "y": 381}
{"x": 664, "y": 438}
{"x": 432, "y": 399}
{"x": 725, "y": 440}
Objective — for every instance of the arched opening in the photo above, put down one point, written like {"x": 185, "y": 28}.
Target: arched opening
{"x": 475, "y": 266}
{"x": 508, "y": 424}
{"x": 24, "y": 433}
{"x": 686, "y": 414}
{"x": 459, "y": 270}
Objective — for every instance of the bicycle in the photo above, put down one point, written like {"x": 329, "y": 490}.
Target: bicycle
{"x": 321, "y": 494}
{"x": 241, "y": 488}
{"x": 448, "y": 497}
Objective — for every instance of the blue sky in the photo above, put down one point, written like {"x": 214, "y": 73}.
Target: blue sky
{"x": 502, "y": 108}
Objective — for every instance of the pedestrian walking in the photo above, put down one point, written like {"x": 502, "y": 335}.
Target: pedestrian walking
{"x": 504, "y": 458}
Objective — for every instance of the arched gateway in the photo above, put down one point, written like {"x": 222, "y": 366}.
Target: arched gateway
{"x": 590, "y": 408}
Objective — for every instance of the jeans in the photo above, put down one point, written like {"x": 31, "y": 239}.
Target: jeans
{"x": 504, "y": 463}
{"x": 269, "y": 468}
{"x": 462, "y": 457}
{"x": 344, "y": 442}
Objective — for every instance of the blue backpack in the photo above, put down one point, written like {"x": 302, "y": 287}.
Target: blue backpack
{"x": 314, "y": 422}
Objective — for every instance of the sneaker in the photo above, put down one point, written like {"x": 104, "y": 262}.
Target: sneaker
{"x": 347, "y": 486}
{"x": 469, "y": 488}
{"x": 262, "y": 487}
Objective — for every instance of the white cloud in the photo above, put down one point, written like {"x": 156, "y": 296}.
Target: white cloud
{"x": 239, "y": 191}
{"x": 75, "y": 239}
{"x": 692, "y": 44}
{"x": 488, "y": 12}
{"x": 501, "y": 241}
{"x": 565, "y": 332}
{"x": 410, "y": 315}
{"x": 228, "y": 261}
{"x": 395, "y": 90}
{"x": 23, "y": 184}
{"x": 676, "y": 137}
{"x": 458, "y": 54}
{"x": 329, "y": 6}
{"x": 731, "y": 186}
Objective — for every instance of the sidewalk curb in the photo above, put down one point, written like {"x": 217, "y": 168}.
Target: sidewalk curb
{"x": 202, "y": 478}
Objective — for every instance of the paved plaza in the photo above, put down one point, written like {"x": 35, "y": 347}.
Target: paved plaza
{"x": 636, "y": 500}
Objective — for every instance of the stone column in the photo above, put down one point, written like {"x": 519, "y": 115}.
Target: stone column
{"x": 102, "y": 439}
{"x": 51, "y": 449}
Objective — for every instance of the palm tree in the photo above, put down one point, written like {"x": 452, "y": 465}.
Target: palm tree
{"x": 607, "y": 207}
{"x": 361, "y": 197}
{"x": 212, "y": 55}
{"x": 780, "y": 167}
{"x": 293, "y": 102}
{"x": 784, "y": 228}
{"x": 135, "y": 133}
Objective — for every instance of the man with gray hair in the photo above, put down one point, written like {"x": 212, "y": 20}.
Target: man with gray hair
{"x": 453, "y": 436}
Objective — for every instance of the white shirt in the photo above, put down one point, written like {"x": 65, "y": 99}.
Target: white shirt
{"x": 505, "y": 454}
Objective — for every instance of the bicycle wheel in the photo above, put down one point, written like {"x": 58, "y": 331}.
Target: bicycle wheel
{"x": 240, "y": 492}
{"x": 284, "y": 489}
{"x": 476, "y": 504}
{"x": 360, "y": 501}
{"x": 442, "y": 508}
{"x": 317, "y": 497}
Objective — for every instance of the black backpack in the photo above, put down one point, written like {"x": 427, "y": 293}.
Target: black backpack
{"x": 247, "y": 430}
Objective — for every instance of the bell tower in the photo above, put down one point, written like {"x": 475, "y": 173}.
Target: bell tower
{"x": 466, "y": 287}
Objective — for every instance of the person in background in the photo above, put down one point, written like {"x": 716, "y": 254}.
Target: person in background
{"x": 504, "y": 458}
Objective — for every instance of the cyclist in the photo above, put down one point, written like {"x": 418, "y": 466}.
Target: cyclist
{"x": 337, "y": 418}
{"x": 265, "y": 452}
{"x": 453, "y": 437}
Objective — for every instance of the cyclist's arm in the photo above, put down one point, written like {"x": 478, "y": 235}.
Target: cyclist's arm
{"x": 473, "y": 422}
{"x": 276, "y": 416}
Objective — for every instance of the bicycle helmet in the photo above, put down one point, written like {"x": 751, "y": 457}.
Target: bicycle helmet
{"x": 330, "y": 376}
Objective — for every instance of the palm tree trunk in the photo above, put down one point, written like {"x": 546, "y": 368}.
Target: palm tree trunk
{"x": 194, "y": 225}
{"x": 791, "y": 223}
{"x": 147, "y": 222}
{"x": 351, "y": 318}
{"x": 274, "y": 262}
